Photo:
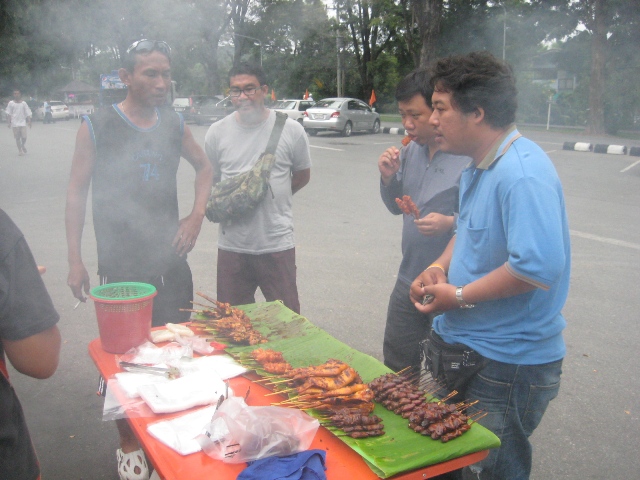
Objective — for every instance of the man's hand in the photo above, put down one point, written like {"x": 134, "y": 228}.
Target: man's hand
{"x": 187, "y": 234}
{"x": 434, "y": 224}
{"x": 444, "y": 297}
{"x": 78, "y": 281}
{"x": 389, "y": 164}
{"x": 430, "y": 276}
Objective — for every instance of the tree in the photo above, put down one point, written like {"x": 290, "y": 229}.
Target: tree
{"x": 369, "y": 34}
{"x": 429, "y": 17}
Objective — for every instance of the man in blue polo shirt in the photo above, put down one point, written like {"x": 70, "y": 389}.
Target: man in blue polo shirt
{"x": 506, "y": 271}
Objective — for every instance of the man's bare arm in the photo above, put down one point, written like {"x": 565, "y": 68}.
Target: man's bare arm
{"x": 299, "y": 179}
{"x": 77, "y": 192}
{"x": 189, "y": 230}
{"x": 36, "y": 356}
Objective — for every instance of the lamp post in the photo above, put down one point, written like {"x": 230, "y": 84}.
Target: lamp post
{"x": 504, "y": 31}
{"x": 255, "y": 40}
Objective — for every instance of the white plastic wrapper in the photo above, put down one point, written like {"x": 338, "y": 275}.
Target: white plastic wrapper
{"x": 150, "y": 354}
{"x": 239, "y": 433}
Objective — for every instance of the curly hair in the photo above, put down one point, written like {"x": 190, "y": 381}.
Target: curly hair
{"x": 478, "y": 80}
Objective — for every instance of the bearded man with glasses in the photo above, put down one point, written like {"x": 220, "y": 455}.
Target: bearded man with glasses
{"x": 131, "y": 151}
{"x": 257, "y": 250}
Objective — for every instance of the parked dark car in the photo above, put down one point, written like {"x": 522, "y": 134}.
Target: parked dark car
{"x": 211, "y": 109}
{"x": 185, "y": 106}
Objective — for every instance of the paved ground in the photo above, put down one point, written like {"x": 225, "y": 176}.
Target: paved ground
{"x": 348, "y": 255}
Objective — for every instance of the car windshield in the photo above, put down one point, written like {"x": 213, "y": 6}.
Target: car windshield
{"x": 285, "y": 105}
{"x": 330, "y": 103}
{"x": 56, "y": 104}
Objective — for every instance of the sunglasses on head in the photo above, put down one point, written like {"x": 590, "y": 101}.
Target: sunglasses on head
{"x": 144, "y": 45}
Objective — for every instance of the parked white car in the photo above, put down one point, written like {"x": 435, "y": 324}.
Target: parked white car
{"x": 293, "y": 108}
{"x": 59, "y": 110}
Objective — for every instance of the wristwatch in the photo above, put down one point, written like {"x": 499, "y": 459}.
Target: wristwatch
{"x": 461, "y": 301}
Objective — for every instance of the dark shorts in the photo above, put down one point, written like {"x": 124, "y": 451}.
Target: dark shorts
{"x": 175, "y": 291}
{"x": 240, "y": 274}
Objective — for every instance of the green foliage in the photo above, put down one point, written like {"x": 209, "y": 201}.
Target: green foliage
{"x": 46, "y": 43}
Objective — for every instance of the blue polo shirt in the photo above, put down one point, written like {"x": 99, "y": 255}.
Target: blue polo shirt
{"x": 512, "y": 213}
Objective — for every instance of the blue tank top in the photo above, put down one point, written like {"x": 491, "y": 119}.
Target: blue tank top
{"x": 134, "y": 192}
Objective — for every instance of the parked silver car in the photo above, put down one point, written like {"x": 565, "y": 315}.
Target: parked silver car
{"x": 344, "y": 115}
{"x": 293, "y": 108}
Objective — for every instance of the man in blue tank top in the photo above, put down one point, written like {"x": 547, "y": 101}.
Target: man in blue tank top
{"x": 129, "y": 153}
{"x": 504, "y": 277}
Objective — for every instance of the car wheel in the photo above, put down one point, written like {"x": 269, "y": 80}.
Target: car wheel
{"x": 376, "y": 127}
{"x": 312, "y": 132}
{"x": 346, "y": 131}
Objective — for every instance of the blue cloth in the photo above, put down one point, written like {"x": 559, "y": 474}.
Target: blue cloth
{"x": 515, "y": 398}
{"x": 512, "y": 212}
{"x": 307, "y": 465}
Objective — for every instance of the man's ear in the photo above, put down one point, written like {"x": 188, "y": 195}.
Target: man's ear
{"x": 125, "y": 76}
{"x": 478, "y": 115}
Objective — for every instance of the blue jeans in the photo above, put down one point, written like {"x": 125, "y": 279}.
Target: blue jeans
{"x": 515, "y": 398}
{"x": 405, "y": 328}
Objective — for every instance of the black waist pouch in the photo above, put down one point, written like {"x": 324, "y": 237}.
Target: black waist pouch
{"x": 455, "y": 365}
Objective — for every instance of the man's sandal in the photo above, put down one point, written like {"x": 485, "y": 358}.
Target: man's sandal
{"x": 133, "y": 465}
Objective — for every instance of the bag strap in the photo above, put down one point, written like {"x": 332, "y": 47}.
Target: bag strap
{"x": 281, "y": 118}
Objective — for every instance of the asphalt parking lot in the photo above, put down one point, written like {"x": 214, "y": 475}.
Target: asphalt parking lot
{"x": 348, "y": 248}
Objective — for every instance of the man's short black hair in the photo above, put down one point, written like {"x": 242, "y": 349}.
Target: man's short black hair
{"x": 246, "y": 68}
{"x": 479, "y": 80}
{"x": 415, "y": 83}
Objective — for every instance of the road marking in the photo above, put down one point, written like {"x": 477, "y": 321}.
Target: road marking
{"x": 550, "y": 151}
{"x": 610, "y": 241}
{"x": 630, "y": 166}
{"x": 328, "y": 148}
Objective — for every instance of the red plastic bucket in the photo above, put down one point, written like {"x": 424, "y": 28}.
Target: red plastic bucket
{"x": 124, "y": 313}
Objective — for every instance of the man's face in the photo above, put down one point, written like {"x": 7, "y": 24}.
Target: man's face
{"x": 150, "y": 81}
{"x": 249, "y": 107}
{"x": 17, "y": 96}
{"x": 415, "y": 115}
{"x": 453, "y": 132}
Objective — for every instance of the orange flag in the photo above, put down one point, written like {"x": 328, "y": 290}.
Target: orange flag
{"x": 273, "y": 95}
{"x": 372, "y": 100}
{"x": 306, "y": 94}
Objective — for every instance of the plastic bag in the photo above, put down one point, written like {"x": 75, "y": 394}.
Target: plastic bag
{"x": 239, "y": 433}
{"x": 150, "y": 354}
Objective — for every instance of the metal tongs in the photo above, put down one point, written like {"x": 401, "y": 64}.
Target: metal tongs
{"x": 169, "y": 372}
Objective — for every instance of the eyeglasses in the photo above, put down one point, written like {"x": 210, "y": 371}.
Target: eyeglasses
{"x": 249, "y": 91}
{"x": 144, "y": 45}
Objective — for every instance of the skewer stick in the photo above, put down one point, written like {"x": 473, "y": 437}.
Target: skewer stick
{"x": 206, "y": 297}
{"x": 280, "y": 392}
{"x": 403, "y": 370}
{"x": 475, "y": 420}
{"x": 452, "y": 394}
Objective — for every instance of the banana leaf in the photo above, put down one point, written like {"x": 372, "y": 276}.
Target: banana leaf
{"x": 400, "y": 449}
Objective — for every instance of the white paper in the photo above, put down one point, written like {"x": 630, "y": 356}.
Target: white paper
{"x": 180, "y": 433}
{"x": 183, "y": 393}
{"x": 130, "y": 382}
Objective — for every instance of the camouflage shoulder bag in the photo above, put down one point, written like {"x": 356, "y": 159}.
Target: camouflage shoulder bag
{"x": 239, "y": 195}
